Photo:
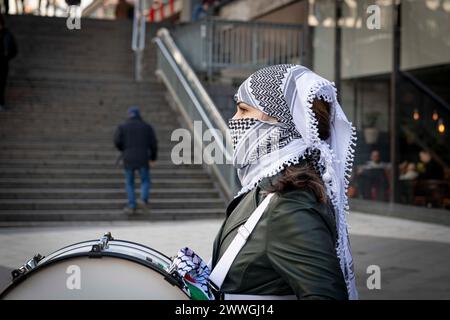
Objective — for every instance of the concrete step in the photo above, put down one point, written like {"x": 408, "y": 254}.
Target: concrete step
{"x": 77, "y": 117}
{"x": 86, "y": 164}
{"x": 107, "y": 215}
{"x": 69, "y": 140}
{"x": 112, "y": 157}
{"x": 67, "y": 134}
{"x": 117, "y": 62}
{"x": 41, "y": 156}
{"x": 33, "y": 106}
{"x": 76, "y": 125}
{"x": 164, "y": 155}
{"x": 68, "y": 143}
{"x": 47, "y": 173}
{"x": 111, "y": 100}
{"x": 54, "y": 85}
{"x": 102, "y": 183}
{"x": 74, "y": 113}
{"x": 82, "y": 130}
{"x": 6, "y": 146}
{"x": 107, "y": 99}
{"x": 119, "y": 193}
{"x": 93, "y": 204}
{"x": 67, "y": 89}
{"x": 95, "y": 108}
{"x": 100, "y": 72}
{"x": 70, "y": 126}
{"x": 93, "y": 162}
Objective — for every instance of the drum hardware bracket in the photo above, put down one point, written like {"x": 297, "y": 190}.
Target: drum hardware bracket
{"x": 28, "y": 266}
{"x": 102, "y": 244}
{"x": 173, "y": 276}
{"x": 174, "y": 279}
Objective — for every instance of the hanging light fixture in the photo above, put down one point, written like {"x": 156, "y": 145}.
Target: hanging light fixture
{"x": 441, "y": 126}
{"x": 416, "y": 115}
{"x": 435, "y": 116}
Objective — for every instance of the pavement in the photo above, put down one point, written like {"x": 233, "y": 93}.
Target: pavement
{"x": 413, "y": 257}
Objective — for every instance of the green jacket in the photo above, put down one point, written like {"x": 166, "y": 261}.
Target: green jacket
{"x": 290, "y": 251}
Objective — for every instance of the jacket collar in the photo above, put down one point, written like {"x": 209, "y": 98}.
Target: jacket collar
{"x": 232, "y": 221}
{"x": 268, "y": 182}
{"x": 250, "y": 201}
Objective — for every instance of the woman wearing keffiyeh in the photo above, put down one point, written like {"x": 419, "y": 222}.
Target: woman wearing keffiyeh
{"x": 290, "y": 138}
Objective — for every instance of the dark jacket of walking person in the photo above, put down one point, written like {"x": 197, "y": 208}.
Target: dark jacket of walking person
{"x": 137, "y": 141}
{"x": 8, "y": 50}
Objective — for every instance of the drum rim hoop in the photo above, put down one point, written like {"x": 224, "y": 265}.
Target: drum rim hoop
{"x": 89, "y": 255}
{"x": 111, "y": 242}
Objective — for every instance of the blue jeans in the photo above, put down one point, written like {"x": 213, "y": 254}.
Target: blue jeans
{"x": 145, "y": 185}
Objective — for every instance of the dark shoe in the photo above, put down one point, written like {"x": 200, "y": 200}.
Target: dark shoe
{"x": 129, "y": 211}
{"x": 143, "y": 206}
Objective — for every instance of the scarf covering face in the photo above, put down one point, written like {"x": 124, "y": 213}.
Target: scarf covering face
{"x": 262, "y": 149}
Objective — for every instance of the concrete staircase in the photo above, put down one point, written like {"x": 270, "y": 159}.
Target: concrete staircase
{"x": 67, "y": 92}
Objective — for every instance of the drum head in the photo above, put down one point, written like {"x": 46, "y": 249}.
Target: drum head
{"x": 72, "y": 274}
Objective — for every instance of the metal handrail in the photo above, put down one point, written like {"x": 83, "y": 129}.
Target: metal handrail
{"x": 198, "y": 102}
{"x": 94, "y": 5}
{"x": 192, "y": 95}
{"x": 164, "y": 35}
{"x": 213, "y": 44}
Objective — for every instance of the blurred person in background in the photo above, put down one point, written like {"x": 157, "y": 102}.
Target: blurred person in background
{"x": 428, "y": 168}
{"x": 8, "y": 50}
{"x": 201, "y": 10}
{"x": 408, "y": 176}
{"x": 122, "y": 9}
{"x": 5, "y": 6}
{"x": 371, "y": 178}
{"x": 137, "y": 141}
{"x": 408, "y": 171}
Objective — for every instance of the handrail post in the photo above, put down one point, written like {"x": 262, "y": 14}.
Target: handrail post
{"x": 210, "y": 36}
{"x": 254, "y": 31}
{"x": 138, "y": 37}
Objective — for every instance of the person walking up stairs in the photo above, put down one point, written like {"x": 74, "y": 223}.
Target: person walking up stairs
{"x": 137, "y": 141}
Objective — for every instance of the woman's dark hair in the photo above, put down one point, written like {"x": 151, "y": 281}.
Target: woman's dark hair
{"x": 305, "y": 175}
{"x": 322, "y": 111}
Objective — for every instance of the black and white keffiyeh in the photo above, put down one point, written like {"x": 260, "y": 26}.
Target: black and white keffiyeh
{"x": 262, "y": 149}
{"x": 194, "y": 272}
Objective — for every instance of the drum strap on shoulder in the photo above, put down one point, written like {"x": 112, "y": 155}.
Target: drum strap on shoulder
{"x": 222, "y": 267}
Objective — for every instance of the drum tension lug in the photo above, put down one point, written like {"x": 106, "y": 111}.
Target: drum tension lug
{"x": 28, "y": 266}
{"x": 102, "y": 244}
